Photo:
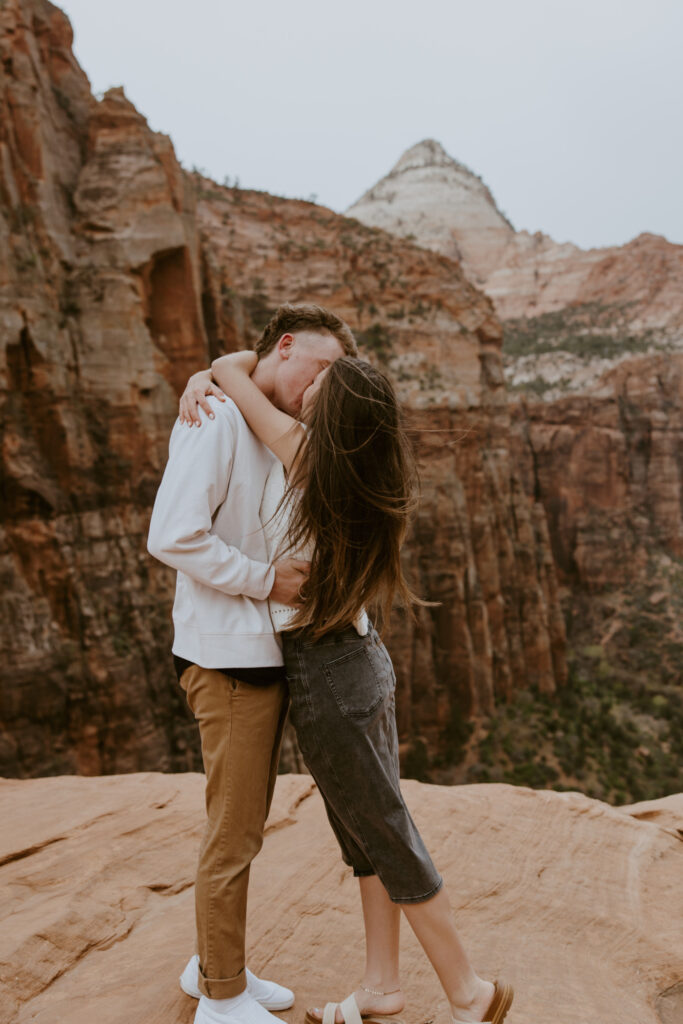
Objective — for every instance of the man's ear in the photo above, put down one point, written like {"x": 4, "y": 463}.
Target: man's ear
{"x": 284, "y": 345}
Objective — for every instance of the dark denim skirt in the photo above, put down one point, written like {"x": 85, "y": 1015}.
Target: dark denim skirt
{"x": 343, "y": 709}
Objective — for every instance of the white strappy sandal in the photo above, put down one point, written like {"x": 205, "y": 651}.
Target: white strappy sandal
{"x": 352, "y": 1015}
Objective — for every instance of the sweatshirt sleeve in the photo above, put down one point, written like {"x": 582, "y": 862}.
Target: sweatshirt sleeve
{"x": 194, "y": 484}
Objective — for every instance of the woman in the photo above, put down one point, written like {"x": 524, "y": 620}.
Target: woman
{"x": 346, "y": 506}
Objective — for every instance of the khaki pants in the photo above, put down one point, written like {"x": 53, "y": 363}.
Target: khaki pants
{"x": 240, "y": 728}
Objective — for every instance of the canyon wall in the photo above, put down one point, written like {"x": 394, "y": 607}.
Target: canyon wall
{"x": 120, "y": 275}
{"x": 101, "y": 321}
{"x": 593, "y": 352}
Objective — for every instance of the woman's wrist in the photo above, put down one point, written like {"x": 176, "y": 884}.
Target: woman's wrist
{"x": 201, "y": 377}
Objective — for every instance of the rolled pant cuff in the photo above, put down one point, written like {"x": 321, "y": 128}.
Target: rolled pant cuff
{"x": 222, "y": 988}
{"x": 418, "y": 899}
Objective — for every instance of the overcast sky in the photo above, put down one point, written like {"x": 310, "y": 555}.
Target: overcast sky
{"x": 570, "y": 110}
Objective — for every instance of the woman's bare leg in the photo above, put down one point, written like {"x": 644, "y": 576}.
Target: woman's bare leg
{"x": 434, "y": 925}
{"x": 382, "y": 920}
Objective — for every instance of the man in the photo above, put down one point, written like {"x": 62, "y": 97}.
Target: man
{"x": 206, "y": 524}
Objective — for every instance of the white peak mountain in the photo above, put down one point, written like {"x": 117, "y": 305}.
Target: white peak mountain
{"x": 441, "y": 203}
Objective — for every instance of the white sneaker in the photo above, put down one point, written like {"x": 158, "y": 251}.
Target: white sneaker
{"x": 242, "y": 1009}
{"x": 267, "y": 993}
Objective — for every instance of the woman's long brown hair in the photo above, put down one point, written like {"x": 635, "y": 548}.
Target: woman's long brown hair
{"x": 355, "y": 488}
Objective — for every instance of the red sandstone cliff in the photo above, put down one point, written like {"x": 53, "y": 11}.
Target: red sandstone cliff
{"x": 121, "y": 274}
{"x": 101, "y": 321}
{"x": 593, "y": 359}
{"x": 593, "y": 351}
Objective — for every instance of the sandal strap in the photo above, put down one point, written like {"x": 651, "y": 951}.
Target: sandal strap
{"x": 350, "y": 1011}
{"x": 329, "y": 1013}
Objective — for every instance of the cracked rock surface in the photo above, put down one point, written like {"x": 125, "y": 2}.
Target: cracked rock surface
{"x": 576, "y": 902}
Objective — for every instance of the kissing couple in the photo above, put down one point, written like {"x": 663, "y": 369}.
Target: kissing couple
{"x": 283, "y": 508}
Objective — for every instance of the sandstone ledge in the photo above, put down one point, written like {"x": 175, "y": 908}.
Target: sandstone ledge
{"x": 576, "y": 901}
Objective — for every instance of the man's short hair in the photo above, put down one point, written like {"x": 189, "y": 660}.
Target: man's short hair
{"x": 305, "y": 316}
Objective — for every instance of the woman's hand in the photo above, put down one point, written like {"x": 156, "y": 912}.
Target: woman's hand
{"x": 198, "y": 387}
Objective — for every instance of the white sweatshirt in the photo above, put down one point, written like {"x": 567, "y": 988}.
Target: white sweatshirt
{"x": 206, "y": 524}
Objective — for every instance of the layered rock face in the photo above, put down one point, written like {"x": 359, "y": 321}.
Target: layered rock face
{"x": 592, "y": 355}
{"x": 575, "y": 902}
{"x": 593, "y": 343}
{"x": 536, "y": 275}
{"x": 121, "y": 275}
{"x": 101, "y": 322}
{"x": 608, "y": 466}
